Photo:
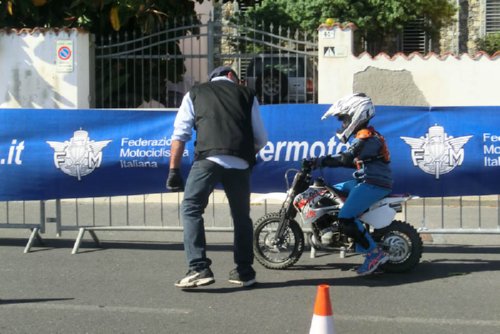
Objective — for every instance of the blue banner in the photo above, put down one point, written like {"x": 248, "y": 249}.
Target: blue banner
{"x": 47, "y": 154}
{"x": 437, "y": 151}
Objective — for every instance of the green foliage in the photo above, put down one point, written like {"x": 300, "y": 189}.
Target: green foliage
{"x": 377, "y": 20}
{"x": 93, "y": 15}
{"x": 489, "y": 44}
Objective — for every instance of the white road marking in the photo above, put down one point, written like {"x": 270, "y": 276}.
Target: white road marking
{"x": 178, "y": 311}
{"x": 431, "y": 321}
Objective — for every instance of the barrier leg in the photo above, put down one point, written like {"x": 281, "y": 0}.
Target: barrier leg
{"x": 78, "y": 240}
{"x": 96, "y": 239}
{"x": 34, "y": 234}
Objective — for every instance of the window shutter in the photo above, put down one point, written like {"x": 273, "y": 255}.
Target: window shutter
{"x": 492, "y": 16}
{"x": 414, "y": 38}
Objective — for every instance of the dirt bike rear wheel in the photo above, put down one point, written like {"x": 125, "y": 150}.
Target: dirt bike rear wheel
{"x": 404, "y": 245}
{"x": 277, "y": 256}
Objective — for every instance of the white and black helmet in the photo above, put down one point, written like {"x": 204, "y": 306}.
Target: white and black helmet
{"x": 354, "y": 111}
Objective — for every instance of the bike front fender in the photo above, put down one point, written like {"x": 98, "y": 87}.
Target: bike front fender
{"x": 269, "y": 197}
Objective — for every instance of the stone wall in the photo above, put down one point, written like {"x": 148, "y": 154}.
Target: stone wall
{"x": 461, "y": 36}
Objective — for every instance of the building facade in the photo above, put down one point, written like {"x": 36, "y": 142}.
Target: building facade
{"x": 474, "y": 20}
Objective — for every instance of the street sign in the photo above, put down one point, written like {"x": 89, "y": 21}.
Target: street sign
{"x": 64, "y": 56}
{"x": 335, "y": 51}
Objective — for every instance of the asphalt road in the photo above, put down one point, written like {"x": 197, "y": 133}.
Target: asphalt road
{"x": 127, "y": 287}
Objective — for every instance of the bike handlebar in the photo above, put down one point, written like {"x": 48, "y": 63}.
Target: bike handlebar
{"x": 309, "y": 164}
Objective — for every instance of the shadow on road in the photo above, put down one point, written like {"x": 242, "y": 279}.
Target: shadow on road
{"x": 90, "y": 246}
{"x": 435, "y": 263}
{"x": 427, "y": 270}
{"x": 31, "y": 300}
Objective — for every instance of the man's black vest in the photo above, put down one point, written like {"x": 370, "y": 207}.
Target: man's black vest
{"x": 223, "y": 120}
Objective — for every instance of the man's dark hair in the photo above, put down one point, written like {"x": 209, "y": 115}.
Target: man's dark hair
{"x": 221, "y": 71}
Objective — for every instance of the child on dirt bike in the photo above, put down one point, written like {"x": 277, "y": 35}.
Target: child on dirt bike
{"x": 372, "y": 181}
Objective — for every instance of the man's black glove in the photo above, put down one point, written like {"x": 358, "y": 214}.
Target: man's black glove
{"x": 174, "y": 180}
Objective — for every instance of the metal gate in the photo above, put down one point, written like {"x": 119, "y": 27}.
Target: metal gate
{"x": 135, "y": 70}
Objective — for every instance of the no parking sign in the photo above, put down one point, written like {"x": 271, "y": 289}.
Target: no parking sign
{"x": 64, "y": 56}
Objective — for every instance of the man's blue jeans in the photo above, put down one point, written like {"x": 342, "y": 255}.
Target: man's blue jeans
{"x": 361, "y": 197}
{"x": 202, "y": 179}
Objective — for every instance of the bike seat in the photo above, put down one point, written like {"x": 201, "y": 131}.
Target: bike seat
{"x": 398, "y": 195}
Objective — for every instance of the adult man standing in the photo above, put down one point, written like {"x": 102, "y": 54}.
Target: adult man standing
{"x": 229, "y": 133}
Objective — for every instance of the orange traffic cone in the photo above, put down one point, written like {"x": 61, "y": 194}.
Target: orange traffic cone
{"x": 322, "y": 321}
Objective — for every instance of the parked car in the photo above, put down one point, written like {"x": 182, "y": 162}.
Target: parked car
{"x": 283, "y": 78}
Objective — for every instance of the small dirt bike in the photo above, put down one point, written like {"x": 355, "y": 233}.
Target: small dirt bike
{"x": 279, "y": 238}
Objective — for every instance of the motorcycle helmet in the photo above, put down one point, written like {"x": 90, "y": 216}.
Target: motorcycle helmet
{"x": 354, "y": 111}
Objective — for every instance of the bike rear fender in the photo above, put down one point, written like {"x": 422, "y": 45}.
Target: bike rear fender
{"x": 379, "y": 217}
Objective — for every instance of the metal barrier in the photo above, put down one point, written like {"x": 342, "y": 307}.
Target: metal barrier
{"x": 152, "y": 212}
{"x": 24, "y": 215}
{"x": 455, "y": 215}
{"x": 157, "y": 212}
{"x": 161, "y": 212}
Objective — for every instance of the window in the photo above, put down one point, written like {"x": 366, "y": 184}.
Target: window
{"x": 492, "y": 16}
{"x": 414, "y": 38}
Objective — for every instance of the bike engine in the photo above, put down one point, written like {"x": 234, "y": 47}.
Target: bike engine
{"x": 328, "y": 228}
{"x": 326, "y": 221}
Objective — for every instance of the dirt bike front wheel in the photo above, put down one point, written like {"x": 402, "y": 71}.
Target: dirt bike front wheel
{"x": 271, "y": 254}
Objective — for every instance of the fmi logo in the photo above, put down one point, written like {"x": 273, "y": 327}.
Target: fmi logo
{"x": 79, "y": 156}
{"x": 437, "y": 153}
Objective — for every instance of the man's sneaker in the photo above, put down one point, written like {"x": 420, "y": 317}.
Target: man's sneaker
{"x": 196, "y": 278}
{"x": 242, "y": 278}
{"x": 373, "y": 259}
